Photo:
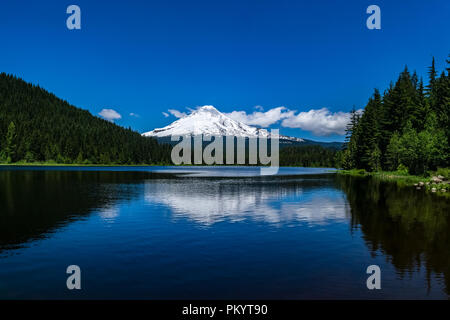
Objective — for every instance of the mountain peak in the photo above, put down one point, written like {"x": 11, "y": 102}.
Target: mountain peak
{"x": 208, "y": 108}
{"x": 209, "y": 121}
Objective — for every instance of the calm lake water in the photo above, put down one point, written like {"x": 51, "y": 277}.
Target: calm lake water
{"x": 217, "y": 233}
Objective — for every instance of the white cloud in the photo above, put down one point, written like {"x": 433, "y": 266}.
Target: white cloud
{"x": 132, "y": 114}
{"x": 177, "y": 114}
{"x": 320, "y": 122}
{"x": 110, "y": 114}
{"x": 262, "y": 119}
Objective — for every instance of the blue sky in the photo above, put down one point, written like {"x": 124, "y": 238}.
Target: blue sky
{"x": 145, "y": 57}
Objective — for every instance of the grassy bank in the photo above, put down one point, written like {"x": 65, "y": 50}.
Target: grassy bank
{"x": 437, "y": 182}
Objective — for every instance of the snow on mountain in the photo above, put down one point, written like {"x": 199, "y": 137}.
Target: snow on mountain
{"x": 209, "y": 121}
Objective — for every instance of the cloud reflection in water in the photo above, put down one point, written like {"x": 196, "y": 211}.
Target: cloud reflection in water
{"x": 208, "y": 201}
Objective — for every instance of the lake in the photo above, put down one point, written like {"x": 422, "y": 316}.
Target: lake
{"x": 218, "y": 233}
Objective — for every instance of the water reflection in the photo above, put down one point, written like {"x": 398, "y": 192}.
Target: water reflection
{"x": 35, "y": 203}
{"x": 109, "y": 213}
{"x": 411, "y": 228}
{"x": 276, "y": 200}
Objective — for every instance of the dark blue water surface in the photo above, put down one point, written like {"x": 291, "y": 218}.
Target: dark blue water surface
{"x": 217, "y": 232}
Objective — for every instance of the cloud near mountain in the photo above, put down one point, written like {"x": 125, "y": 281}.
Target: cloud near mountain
{"x": 320, "y": 122}
{"x": 262, "y": 119}
{"x": 177, "y": 114}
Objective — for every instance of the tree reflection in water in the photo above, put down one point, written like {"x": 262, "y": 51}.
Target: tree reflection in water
{"x": 410, "y": 227}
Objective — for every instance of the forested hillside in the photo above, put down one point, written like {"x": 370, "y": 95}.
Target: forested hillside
{"x": 35, "y": 125}
{"x": 406, "y": 127}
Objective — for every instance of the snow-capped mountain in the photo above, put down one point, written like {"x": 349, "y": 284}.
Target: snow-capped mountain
{"x": 209, "y": 121}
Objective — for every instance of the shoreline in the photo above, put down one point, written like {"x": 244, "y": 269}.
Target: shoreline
{"x": 425, "y": 183}
{"x": 44, "y": 164}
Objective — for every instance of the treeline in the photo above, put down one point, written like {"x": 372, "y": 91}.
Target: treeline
{"x": 296, "y": 155}
{"x": 308, "y": 156}
{"x": 35, "y": 125}
{"x": 406, "y": 127}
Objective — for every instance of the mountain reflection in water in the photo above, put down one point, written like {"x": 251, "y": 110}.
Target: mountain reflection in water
{"x": 276, "y": 200}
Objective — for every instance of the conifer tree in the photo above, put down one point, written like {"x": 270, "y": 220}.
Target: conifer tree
{"x": 11, "y": 143}
{"x": 431, "y": 87}
{"x": 350, "y": 126}
{"x": 370, "y": 158}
